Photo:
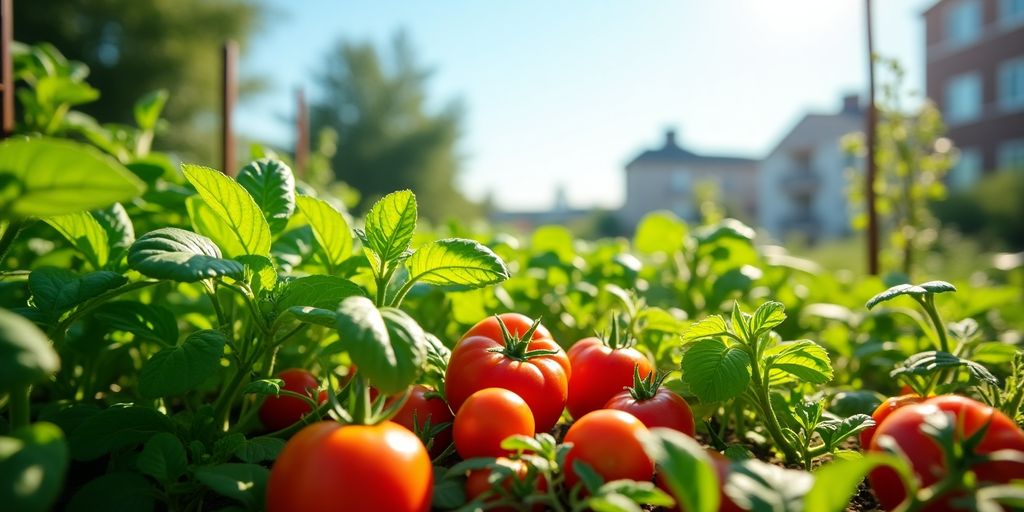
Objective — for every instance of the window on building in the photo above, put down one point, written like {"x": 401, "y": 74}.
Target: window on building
{"x": 1011, "y": 155}
{"x": 1011, "y": 11}
{"x": 1011, "y": 84}
{"x": 963, "y": 98}
{"x": 681, "y": 180}
{"x": 963, "y": 22}
{"x": 967, "y": 169}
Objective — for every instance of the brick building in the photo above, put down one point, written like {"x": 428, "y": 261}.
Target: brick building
{"x": 975, "y": 73}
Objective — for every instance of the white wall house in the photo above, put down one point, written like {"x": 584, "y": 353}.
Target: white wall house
{"x": 802, "y": 182}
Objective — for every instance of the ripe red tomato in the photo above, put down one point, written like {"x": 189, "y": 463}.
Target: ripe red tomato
{"x": 419, "y": 409}
{"x": 477, "y": 484}
{"x": 278, "y": 412}
{"x": 536, "y": 369}
{"x": 357, "y": 468}
{"x": 609, "y": 442}
{"x": 664, "y": 409}
{"x": 926, "y": 457}
{"x": 486, "y": 419}
{"x": 883, "y": 411}
{"x": 723, "y": 466}
{"x": 599, "y": 372}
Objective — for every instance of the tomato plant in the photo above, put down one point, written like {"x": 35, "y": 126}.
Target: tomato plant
{"x": 517, "y": 357}
{"x": 486, "y": 418}
{"x": 327, "y": 466}
{"x": 512, "y": 483}
{"x": 601, "y": 368}
{"x": 883, "y": 411}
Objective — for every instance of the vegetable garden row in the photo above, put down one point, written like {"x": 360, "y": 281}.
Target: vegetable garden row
{"x": 175, "y": 338}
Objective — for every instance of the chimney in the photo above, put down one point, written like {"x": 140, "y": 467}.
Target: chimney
{"x": 851, "y": 104}
{"x": 670, "y": 138}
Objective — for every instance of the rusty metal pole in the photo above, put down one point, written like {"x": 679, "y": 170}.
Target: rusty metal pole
{"x": 6, "y": 69}
{"x": 229, "y": 96}
{"x": 301, "y": 133}
{"x": 871, "y": 135}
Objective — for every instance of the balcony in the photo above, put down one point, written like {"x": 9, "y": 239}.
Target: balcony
{"x": 800, "y": 182}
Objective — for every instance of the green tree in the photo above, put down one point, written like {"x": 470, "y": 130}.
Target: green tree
{"x": 913, "y": 157}
{"x": 387, "y": 136}
{"x": 133, "y": 48}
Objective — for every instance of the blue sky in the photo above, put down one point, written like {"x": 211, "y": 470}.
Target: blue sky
{"x": 566, "y": 92}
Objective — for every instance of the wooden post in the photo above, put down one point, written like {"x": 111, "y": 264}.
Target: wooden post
{"x": 6, "y": 69}
{"x": 301, "y": 133}
{"x": 229, "y": 95}
{"x": 870, "y": 131}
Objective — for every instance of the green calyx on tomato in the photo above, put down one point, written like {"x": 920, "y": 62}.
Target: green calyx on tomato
{"x": 617, "y": 336}
{"x": 516, "y": 345}
{"x": 646, "y": 388}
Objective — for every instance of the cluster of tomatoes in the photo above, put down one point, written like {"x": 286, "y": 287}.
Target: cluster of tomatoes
{"x": 508, "y": 377}
{"x": 505, "y": 377}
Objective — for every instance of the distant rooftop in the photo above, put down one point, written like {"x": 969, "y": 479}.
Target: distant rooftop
{"x": 671, "y": 152}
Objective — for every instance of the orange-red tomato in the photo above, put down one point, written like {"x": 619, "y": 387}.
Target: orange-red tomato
{"x": 482, "y": 360}
{"x": 278, "y": 412}
{"x": 477, "y": 483}
{"x": 487, "y": 418}
{"x": 599, "y": 372}
{"x": 883, "y": 411}
{"x": 666, "y": 409}
{"x": 357, "y": 468}
{"x": 609, "y": 442}
{"x": 418, "y": 410}
{"x": 926, "y": 458}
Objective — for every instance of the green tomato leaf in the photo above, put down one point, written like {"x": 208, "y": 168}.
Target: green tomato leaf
{"x": 271, "y": 184}
{"x": 115, "y": 492}
{"x": 322, "y": 292}
{"x": 146, "y": 321}
{"x": 33, "y": 462}
{"x": 261, "y": 272}
{"x": 263, "y": 387}
{"x": 458, "y": 262}
{"x": 43, "y": 177}
{"x": 390, "y": 224}
{"x": 767, "y": 316}
{"x": 686, "y": 468}
{"x": 933, "y": 361}
{"x": 756, "y": 485}
{"x": 590, "y": 478}
{"x": 387, "y": 345}
{"x": 660, "y": 231}
{"x": 179, "y": 255}
{"x": 653, "y": 319}
{"x": 715, "y": 372}
{"x": 937, "y": 287}
{"x": 115, "y": 428}
{"x": 85, "y": 234}
{"x": 709, "y": 327}
{"x": 245, "y": 483}
{"x": 177, "y": 370}
{"x": 314, "y": 316}
{"x": 259, "y": 449}
{"x": 147, "y": 109}
{"x": 803, "y": 360}
{"x": 329, "y": 227}
{"x": 163, "y": 457}
{"x": 836, "y": 483}
{"x": 26, "y": 354}
{"x": 642, "y": 493}
{"x": 612, "y": 503}
{"x": 206, "y": 222}
{"x": 234, "y": 206}
{"x": 119, "y": 228}
{"x": 56, "y": 290}
{"x": 833, "y": 431}
{"x": 910, "y": 289}
{"x": 553, "y": 239}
